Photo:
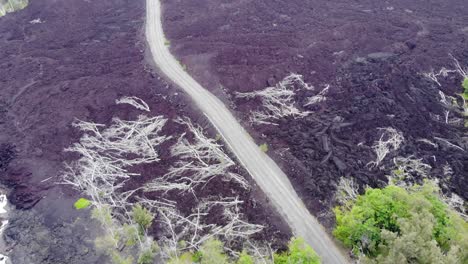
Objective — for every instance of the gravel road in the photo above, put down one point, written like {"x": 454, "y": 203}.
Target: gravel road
{"x": 263, "y": 170}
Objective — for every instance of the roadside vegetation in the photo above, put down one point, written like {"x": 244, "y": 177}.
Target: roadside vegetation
{"x": 264, "y": 147}
{"x": 402, "y": 225}
{"x": 212, "y": 252}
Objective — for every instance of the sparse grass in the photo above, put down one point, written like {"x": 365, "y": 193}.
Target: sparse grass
{"x": 264, "y": 147}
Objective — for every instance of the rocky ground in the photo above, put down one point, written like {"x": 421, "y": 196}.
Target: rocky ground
{"x": 372, "y": 54}
{"x": 61, "y": 61}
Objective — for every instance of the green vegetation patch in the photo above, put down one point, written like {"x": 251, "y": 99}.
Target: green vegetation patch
{"x": 298, "y": 252}
{"x": 212, "y": 251}
{"x": 397, "y": 225}
{"x": 465, "y": 87}
{"x": 142, "y": 217}
{"x": 82, "y": 203}
{"x": 264, "y": 147}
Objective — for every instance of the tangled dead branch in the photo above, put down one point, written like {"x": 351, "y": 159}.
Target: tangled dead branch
{"x": 193, "y": 230}
{"x": 347, "y": 191}
{"x": 448, "y": 143}
{"x": 107, "y": 153}
{"x": 200, "y": 160}
{"x": 457, "y": 204}
{"x": 451, "y": 104}
{"x": 444, "y": 72}
{"x": 390, "y": 140}
{"x": 432, "y": 75}
{"x": 101, "y": 171}
{"x": 135, "y": 102}
{"x": 320, "y": 97}
{"x": 278, "y": 101}
{"x": 458, "y": 68}
{"x": 406, "y": 169}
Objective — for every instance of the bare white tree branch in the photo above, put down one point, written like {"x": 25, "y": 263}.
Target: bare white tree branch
{"x": 347, "y": 191}
{"x": 200, "y": 160}
{"x": 320, "y": 97}
{"x": 390, "y": 140}
{"x": 134, "y": 101}
{"x": 278, "y": 101}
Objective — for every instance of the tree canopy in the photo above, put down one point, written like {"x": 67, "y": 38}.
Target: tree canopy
{"x": 397, "y": 225}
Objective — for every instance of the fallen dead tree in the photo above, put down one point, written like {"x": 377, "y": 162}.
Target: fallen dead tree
{"x": 320, "y": 97}
{"x": 193, "y": 230}
{"x": 450, "y": 103}
{"x": 278, "y": 101}
{"x": 135, "y": 102}
{"x": 102, "y": 170}
{"x": 406, "y": 169}
{"x": 390, "y": 140}
{"x": 200, "y": 160}
{"x": 347, "y": 192}
{"x": 106, "y": 155}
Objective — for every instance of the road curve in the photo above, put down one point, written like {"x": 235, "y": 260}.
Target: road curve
{"x": 263, "y": 170}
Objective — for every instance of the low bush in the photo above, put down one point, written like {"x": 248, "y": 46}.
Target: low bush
{"x": 298, "y": 252}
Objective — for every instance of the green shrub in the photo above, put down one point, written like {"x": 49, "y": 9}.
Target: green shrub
{"x": 102, "y": 214}
{"x": 212, "y": 252}
{"x": 118, "y": 259}
{"x": 298, "y": 252}
{"x": 146, "y": 257}
{"x": 142, "y": 217}
{"x": 264, "y": 147}
{"x": 82, "y": 203}
{"x": 186, "y": 258}
{"x": 130, "y": 234}
{"x": 387, "y": 210}
{"x": 245, "y": 258}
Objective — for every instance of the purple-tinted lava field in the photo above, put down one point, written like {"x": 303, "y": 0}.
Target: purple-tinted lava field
{"x": 371, "y": 54}
{"x": 67, "y": 61}
{"x": 375, "y": 88}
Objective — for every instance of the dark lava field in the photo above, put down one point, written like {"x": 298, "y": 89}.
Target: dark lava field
{"x": 372, "y": 55}
{"x": 67, "y": 60}
{"x": 73, "y": 63}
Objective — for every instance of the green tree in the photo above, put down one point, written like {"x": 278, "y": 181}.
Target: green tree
{"x": 414, "y": 243}
{"x": 382, "y": 222}
{"x": 298, "y": 253}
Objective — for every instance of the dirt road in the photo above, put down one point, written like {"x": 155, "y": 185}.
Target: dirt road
{"x": 263, "y": 170}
